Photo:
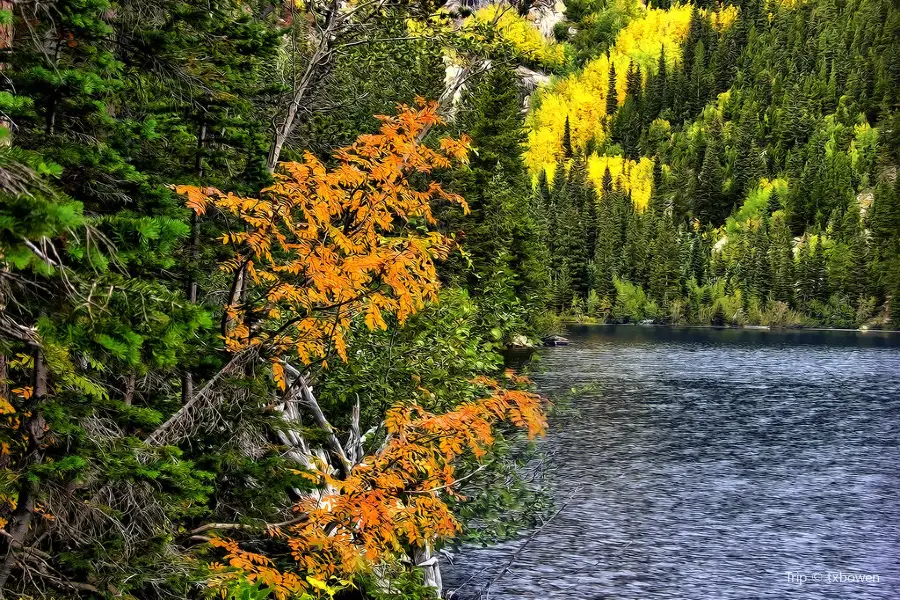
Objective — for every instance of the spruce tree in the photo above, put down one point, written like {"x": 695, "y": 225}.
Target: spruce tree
{"x": 500, "y": 237}
{"x": 612, "y": 96}
{"x": 818, "y": 273}
{"x": 657, "y": 84}
{"x": 710, "y": 206}
{"x": 605, "y": 254}
{"x": 665, "y": 269}
{"x": 857, "y": 284}
{"x": 781, "y": 260}
{"x": 759, "y": 273}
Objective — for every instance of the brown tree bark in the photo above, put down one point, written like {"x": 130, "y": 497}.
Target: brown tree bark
{"x": 6, "y": 44}
{"x": 35, "y": 428}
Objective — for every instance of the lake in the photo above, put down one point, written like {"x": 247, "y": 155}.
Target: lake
{"x": 720, "y": 464}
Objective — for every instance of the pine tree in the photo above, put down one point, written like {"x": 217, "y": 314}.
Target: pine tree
{"x": 885, "y": 215}
{"x": 709, "y": 202}
{"x": 612, "y": 96}
{"x": 749, "y": 166}
{"x": 774, "y": 203}
{"x": 759, "y": 273}
{"x": 857, "y": 282}
{"x": 781, "y": 260}
{"x": 567, "y": 140}
{"x": 665, "y": 269}
{"x": 699, "y": 259}
{"x": 501, "y": 240}
{"x": 605, "y": 255}
{"x": 634, "y": 259}
{"x": 657, "y": 84}
{"x": 628, "y": 122}
{"x": 806, "y": 284}
{"x": 818, "y": 273}
{"x": 111, "y": 106}
{"x": 657, "y": 203}
{"x": 697, "y": 88}
{"x": 606, "y": 185}
{"x": 635, "y": 86}
{"x": 584, "y": 197}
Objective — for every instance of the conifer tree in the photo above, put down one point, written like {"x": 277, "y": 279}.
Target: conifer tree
{"x": 665, "y": 269}
{"x": 818, "y": 273}
{"x": 657, "y": 85}
{"x": 612, "y": 96}
{"x": 583, "y": 195}
{"x": 635, "y": 251}
{"x": 500, "y": 238}
{"x": 857, "y": 283}
{"x": 605, "y": 255}
{"x": 781, "y": 259}
{"x": 709, "y": 203}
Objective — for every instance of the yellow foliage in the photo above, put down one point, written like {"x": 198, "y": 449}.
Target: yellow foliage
{"x": 635, "y": 177}
{"x": 724, "y": 17}
{"x": 582, "y": 96}
{"x": 522, "y": 34}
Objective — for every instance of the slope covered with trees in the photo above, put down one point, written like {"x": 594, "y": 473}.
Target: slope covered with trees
{"x": 742, "y": 162}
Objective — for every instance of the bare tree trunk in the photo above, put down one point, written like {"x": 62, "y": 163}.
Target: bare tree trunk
{"x": 187, "y": 378}
{"x": 6, "y": 44}
{"x": 35, "y": 427}
{"x": 4, "y": 386}
{"x": 130, "y": 383}
{"x": 315, "y": 70}
{"x": 431, "y": 567}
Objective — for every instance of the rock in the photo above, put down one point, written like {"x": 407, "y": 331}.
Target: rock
{"x": 647, "y": 322}
{"x": 556, "y": 340}
{"x": 520, "y": 341}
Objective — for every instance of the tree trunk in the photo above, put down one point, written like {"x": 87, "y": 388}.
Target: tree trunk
{"x": 130, "y": 383}
{"x": 35, "y": 428}
{"x": 431, "y": 567}
{"x": 315, "y": 70}
{"x": 6, "y": 43}
{"x": 187, "y": 378}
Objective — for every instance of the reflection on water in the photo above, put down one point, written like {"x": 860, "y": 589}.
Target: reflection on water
{"x": 708, "y": 463}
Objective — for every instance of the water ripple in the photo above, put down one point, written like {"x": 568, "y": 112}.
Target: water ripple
{"x": 710, "y": 464}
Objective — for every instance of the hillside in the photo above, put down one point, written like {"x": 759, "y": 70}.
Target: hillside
{"x": 741, "y": 159}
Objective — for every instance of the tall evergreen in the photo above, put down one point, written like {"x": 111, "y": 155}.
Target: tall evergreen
{"x": 501, "y": 239}
{"x": 606, "y": 252}
{"x": 612, "y": 95}
{"x": 781, "y": 259}
{"x": 657, "y": 89}
{"x": 665, "y": 267}
{"x": 710, "y": 205}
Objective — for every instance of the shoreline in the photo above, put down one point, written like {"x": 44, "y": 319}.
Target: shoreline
{"x": 735, "y": 327}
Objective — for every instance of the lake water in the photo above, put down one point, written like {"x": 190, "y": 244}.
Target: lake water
{"x": 713, "y": 464}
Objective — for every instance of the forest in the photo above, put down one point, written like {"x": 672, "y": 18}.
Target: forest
{"x": 259, "y": 259}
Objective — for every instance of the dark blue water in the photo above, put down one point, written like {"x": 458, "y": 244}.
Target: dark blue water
{"x": 721, "y": 464}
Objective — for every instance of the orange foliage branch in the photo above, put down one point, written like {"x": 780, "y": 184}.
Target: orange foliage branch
{"x": 392, "y": 501}
{"x": 323, "y": 244}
